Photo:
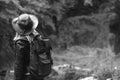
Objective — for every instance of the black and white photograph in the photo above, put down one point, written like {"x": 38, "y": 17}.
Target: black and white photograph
{"x": 59, "y": 39}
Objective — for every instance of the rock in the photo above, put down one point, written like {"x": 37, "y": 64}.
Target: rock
{"x": 89, "y": 78}
{"x": 61, "y": 68}
{"x": 109, "y": 79}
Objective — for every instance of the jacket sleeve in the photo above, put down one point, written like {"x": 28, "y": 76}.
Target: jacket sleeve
{"x": 22, "y": 59}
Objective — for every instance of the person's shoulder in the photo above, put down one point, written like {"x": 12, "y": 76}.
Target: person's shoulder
{"x": 21, "y": 43}
{"x": 19, "y": 37}
{"x": 42, "y": 38}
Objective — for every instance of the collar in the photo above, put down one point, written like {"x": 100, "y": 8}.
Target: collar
{"x": 28, "y": 38}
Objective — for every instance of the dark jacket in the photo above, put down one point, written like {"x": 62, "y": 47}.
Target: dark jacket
{"x": 33, "y": 57}
{"x": 22, "y": 58}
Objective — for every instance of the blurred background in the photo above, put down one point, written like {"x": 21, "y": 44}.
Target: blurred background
{"x": 84, "y": 33}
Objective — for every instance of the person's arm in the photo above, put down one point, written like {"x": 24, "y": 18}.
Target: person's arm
{"x": 22, "y": 59}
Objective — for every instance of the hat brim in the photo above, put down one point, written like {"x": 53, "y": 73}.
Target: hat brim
{"x": 19, "y": 30}
{"x": 35, "y": 21}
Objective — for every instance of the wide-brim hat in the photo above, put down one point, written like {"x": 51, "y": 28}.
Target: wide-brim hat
{"x": 16, "y": 26}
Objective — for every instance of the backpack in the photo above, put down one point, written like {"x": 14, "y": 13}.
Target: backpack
{"x": 40, "y": 57}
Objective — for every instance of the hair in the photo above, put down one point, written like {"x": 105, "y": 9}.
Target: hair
{"x": 26, "y": 27}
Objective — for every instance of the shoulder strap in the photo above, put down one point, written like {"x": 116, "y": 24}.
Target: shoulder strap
{"x": 41, "y": 37}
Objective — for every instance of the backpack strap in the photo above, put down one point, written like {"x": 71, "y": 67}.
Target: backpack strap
{"x": 41, "y": 37}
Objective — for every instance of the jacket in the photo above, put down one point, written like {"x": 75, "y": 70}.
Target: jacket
{"x": 22, "y": 58}
{"x": 33, "y": 57}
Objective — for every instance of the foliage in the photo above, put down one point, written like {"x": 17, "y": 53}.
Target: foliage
{"x": 67, "y": 22}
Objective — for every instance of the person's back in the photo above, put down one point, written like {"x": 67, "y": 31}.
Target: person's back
{"x": 33, "y": 57}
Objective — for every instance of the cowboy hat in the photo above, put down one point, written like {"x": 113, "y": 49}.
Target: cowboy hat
{"x": 22, "y": 20}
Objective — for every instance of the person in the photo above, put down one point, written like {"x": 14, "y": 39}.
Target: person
{"x": 33, "y": 56}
